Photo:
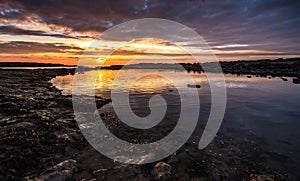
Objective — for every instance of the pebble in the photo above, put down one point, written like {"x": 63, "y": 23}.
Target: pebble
{"x": 161, "y": 171}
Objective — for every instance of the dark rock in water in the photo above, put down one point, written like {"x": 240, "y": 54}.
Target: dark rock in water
{"x": 193, "y": 85}
{"x": 296, "y": 81}
{"x": 284, "y": 79}
{"x": 171, "y": 90}
{"x": 161, "y": 171}
{"x": 100, "y": 102}
{"x": 249, "y": 76}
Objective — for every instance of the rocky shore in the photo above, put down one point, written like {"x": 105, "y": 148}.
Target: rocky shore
{"x": 289, "y": 67}
{"x": 276, "y": 68}
{"x": 40, "y": 140}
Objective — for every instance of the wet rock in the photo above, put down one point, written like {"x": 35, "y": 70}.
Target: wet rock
{"x": 141, "y": 178}
{"x": 198, "y": 179}
{"x": 101, "y": 173}
{"x": 296, "y": 81}
{"x": 101, "y": 102}
{"x": 24, "y": 124}
{"x": 255, "y": 177}
{"x": 8, "y": 107}
{"x": 193, "y": 85}
{"x": 67, "y": 164}
{"x": 61, "y": 171}
{"x": 65, "y": 101}
{"x": 284, "y": 79}
{"x": 58, "y": 175}
{"x": 161, "y": 171}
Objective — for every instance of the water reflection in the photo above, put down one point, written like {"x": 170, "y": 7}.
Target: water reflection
{"x": 104, "y": 80}
{"x": 267, "y": 107}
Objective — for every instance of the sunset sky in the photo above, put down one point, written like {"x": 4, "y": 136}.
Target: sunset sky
{"x": 58, "y": 31}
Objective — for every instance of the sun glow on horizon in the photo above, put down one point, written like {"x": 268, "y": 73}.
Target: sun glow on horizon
{"x": 69, "y": 50}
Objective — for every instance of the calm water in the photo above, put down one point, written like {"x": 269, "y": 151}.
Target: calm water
{"x": 269, "y": 108}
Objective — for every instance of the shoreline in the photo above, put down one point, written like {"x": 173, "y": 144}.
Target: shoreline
{"x": 289, "y": 67}
{"x": 41, "y": 139}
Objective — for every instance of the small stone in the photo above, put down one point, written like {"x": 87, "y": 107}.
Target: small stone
{"x": 161, "y": 171}
{"x": 255, "y": 177}
{"x": 67, "y": 164}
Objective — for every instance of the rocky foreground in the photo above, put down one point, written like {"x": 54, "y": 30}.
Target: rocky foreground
{"x": 40, "y": 140}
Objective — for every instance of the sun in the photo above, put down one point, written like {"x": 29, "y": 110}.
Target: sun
{"x": 102, "y": 60}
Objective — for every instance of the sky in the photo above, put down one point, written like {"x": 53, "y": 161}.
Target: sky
{"x": 58, "y": 31}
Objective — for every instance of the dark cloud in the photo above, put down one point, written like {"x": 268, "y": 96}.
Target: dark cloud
{"x": 99, "y": 15}
{"x": 273, "y": 24}
{"x": 11, "y": 14}
{"x": 20, "y": 47}
{"x": 12, "y": 30}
